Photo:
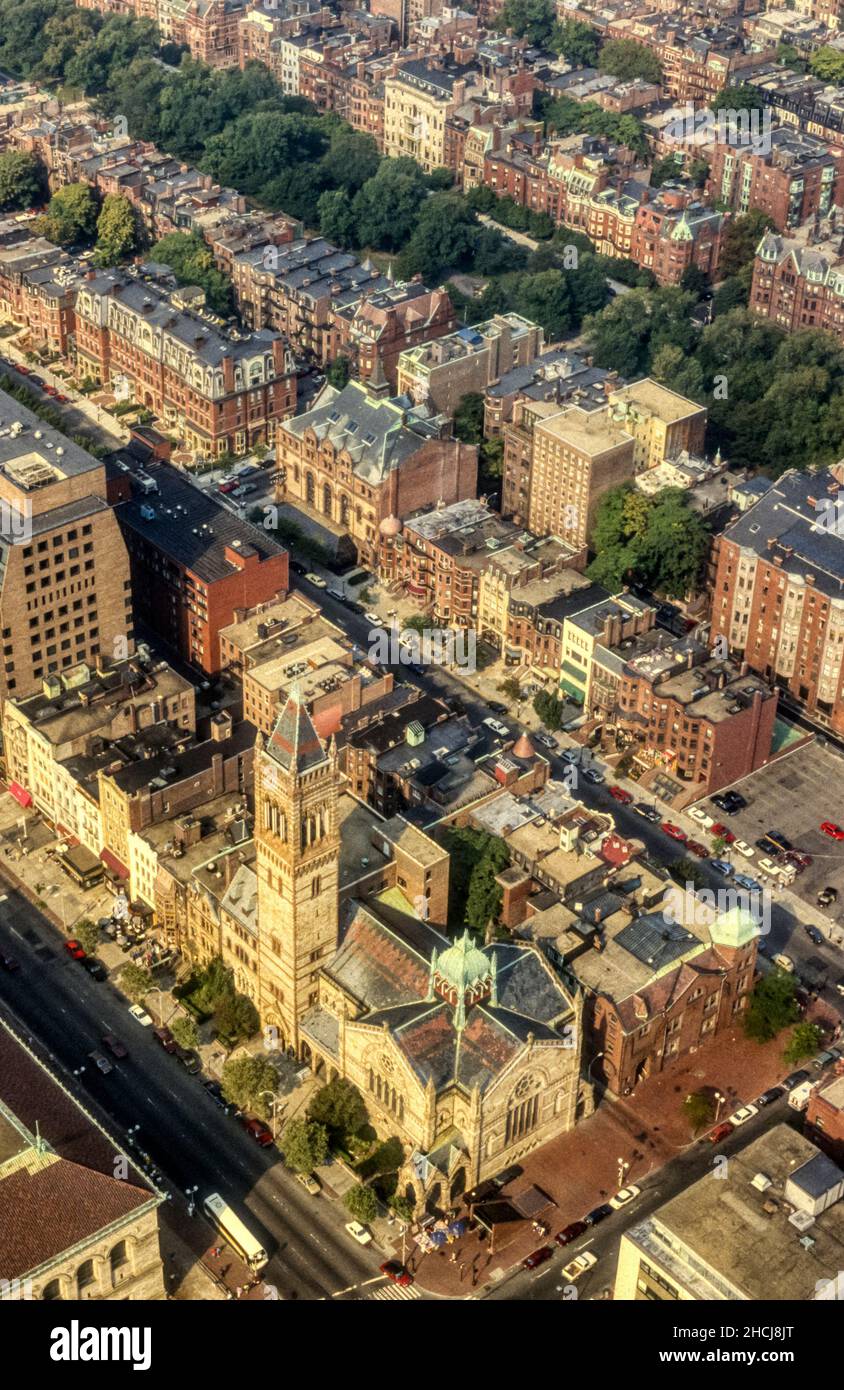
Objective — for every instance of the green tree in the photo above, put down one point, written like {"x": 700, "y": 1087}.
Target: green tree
{"x": 469, "y": 418}
{"x": 625, "y": 336}
{"x": 549, "y": 709}
{"x": 185, "y": 1031}
{"x": 192, "y": 263}
{"x": 236, "y": 1017}
{"x": 117, "y": 230}
{"x": 789, "y": 57}
{"x": 511, "y": 688}
{"x": 338, "y": 372}
{"x": 87, "y": 933}
{"x": 352, "y": 158}
{"x": 534, "y": 20}
{"x": 741, "y": 239}
{"x": 483, "y": 901}
{"x": 772, "y": 1006}
{"x": 304, "y": 1145}
{"x": 23, "y": 180}
{"x": 443, "y": 239}
{"x": 805, "y": 1041}
{"x": 71, "y": 216}
{"x": 361, "y": 1203}
{"x": 698, "y": 1110}
{"x": 742, "y": 98}
{"x": 244, "y": 1081}
{"x": 577, "y": 42}
{"x": 658, "y": 541}
{"x": 387, "y": 207}
{"x": 403, "y": 1208}
{"x": 135, "y": 982}
{"x": 336, "y": 218}
{"x": 827, "y": 63}
{"x": 340, "y": 1107}
{"x": 732, "y": 293}
{"x": 626, "y": 59}
{"x": 664, "y": 170}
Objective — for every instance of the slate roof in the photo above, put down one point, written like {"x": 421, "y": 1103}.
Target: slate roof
{"x": 294, "y": 742}
{"x": 789, "y": 515}
{"x": 374, "y": 432}
{"x": 385, "y": 962}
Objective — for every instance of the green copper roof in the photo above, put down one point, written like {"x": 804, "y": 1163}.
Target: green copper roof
{"x": 463, "y": 964}
{"x": 734, "y": 928}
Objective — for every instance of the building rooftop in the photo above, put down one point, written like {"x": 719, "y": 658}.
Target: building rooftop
{"x": 587, "y": 432}
{"x": 33, "y": 454}
{"x": 648, "y": 397}
{"x": 798, "y": 525}
{"x": 734, "y": 1239}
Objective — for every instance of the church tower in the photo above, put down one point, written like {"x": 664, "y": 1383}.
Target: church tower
{"x": 298, "y": 865}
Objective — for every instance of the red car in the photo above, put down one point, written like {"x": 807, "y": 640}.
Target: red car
{"x": 397, "y": 1273}
{"x": 832, "y": 830}
{"x": 62, "y": 400}
{"x": 538, "y": 1257}
{"x": 74, "y": 949}
{"x": 227, "y": 487}
{"x": 695, "y": 847}
{"x": 720, "y": 1132}
{"x": 114, "y": 1045}
{"x": 50, "y": 391}
{"x": 571, "y": 1232}
{"x": 674, "y": 831}
{"x": 721, "y": 832}
{"x": 260, "y": 1133}
{"x": 800, "y": 860}
{"x": 621, "y": 795}
{"x": 24, "y": 371}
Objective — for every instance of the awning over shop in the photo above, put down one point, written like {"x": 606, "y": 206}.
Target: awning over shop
{"x": 21, "y": 795}
{"x": 113, "y": 864}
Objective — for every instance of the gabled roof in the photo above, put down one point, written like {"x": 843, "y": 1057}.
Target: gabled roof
{"x": 294, "y": 742}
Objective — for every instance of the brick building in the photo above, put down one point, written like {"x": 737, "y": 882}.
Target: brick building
{"x": 778, "y": 592}
{"x": 359, "y": 461}
{"x": 59, "y": 537}
{"x": 376, "y": 328}
{"x": 799, "y": 285}
{"x": 824, "y": 1119}
{"x": 194, "y": 563}
{"x": 443, "y": 372}
{"x": 797, "y": 178}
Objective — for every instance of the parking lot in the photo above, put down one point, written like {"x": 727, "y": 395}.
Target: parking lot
{"x": 794, "y": 795}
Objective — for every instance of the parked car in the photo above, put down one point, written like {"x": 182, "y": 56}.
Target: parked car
{"x": 570, "y": 756}
{"x": 374, "y": 620}
{"x": 794, "y": 1078}
{"x": 784, "y": 962}
{"x": 742, "y": 1115}
{"x": 571, "y": 1232}
{"x": 720, "y": 1132}
{"x": 827, "y": 896}
{"x": 593, "y": 775}
{"x": 675, "y": 832}
{"x": 333, "y": 592}
{"x": 702, "y": 817}
{"x": 189, "y": 1060}
{"x": 140, "y": 1015}
{"x": 101, "y": 1062}
{"x": 537, "y": 1257}
{"x": 839, "y": 984}
{"x": 646, "y": 812}
{"x": 9, "y": 964}
{"x": 497, "y": 727}
{"x": 619, "y": 794}
{"x": 60, "y": 399}
{"x": 74, "y": 949}
{"x": 546, "y": 740}
{"x": 749, "y": 884}
{"x": 768, "y": 867}
{"x": 743, "y": 848}
{"x": 497, "y": 708}
{"x": 228, "y": 485}
{"x": 625, "y": 1197}
{"x": 823, "y": 1059}
{"x": 508, "y": 1175}
{"x": 215, "y": 1091}
{"x": 696, "y": 848}
{"x": 721, "y": 866}
{"x": 800, "y": 860}
{"x": 834, "y": 831}
{"x": 722, "y": 832}
{"x": 114, "y": 1045}
{"x": 396, "y": 1273}
{"x": 578, "y": 1266}
{"x": 317, "y": 580}
{"x": 599, "y": 1213}
{"x": 310, "y": 1183}
{"x": 814, "y": 935}
{"x": 260, "y": 1132}
{"x": 165, "y": 1038}
{"x": 244, "y": 489}
{"x": 297, "y": 567}
{"x": 95, "y": 968}
{"x": 768, "y": 1097}
{"x": 778, "y": 839}
{"x": 359, "y": 1233}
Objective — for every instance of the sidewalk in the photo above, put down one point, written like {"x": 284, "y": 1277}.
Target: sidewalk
{"x": 584, "y": 1167}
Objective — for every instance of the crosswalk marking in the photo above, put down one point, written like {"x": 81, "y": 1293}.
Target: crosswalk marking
{"x": 396, "y": 1291}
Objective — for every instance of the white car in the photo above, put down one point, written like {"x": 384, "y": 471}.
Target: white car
{"x": 579, "y": 1265}
{"x": 769, "y": 867}
{"x": 141, "y": 1015}
{"x": 497, "y": 727}
{"x": 358, "y": 1233}
{"x": 697, "y": 813}
{"x": 627, "y": 1194}
{"x": 742, "y": 1115}
{"x": 317, "y": 580}
{"x": 740, "y": 847}
{"x": 374, "y": 620}
{"x": 310, "y": 1183}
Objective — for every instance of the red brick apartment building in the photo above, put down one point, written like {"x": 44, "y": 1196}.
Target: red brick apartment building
{"x": 799, "y": 177}
{"x": 799, "y": 285}
{"x": 778, "y": 592}
{"x": 194, "y": 564}
{"x": 825, "y": 1117}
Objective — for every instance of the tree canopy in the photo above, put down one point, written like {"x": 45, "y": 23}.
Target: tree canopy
{"x": 23, "y": 180}
{"x": 772, "y": 1007}
{"x": 340, "y": 1107}
{"x": 118, "y": 232}
{"x": 656, "y": 540}
{"x": 192, "y": 263}
{"x": 246, "y": 1082}
{"x": 71, "y": 216}
{"x": 534, "y": 20}
{"x": 626, "y": 59}
{"x": 304, "y": 1144}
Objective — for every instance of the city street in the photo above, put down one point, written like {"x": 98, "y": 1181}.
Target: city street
{"x": 52, "y": 1001}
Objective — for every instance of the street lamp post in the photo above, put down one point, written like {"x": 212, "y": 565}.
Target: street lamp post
{"x": 190, "y": 1193}
{"x": 275, "y": 1102}
{"x": 719, "y": 1101}
{"x": 623, "y": 1168}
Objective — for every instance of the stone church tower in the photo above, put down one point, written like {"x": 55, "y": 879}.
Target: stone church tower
{"x": 298, "y": 861}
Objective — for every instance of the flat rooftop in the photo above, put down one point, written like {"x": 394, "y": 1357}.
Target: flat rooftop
{"x": 647, "y": 395}
{"x": 588, "y": 432}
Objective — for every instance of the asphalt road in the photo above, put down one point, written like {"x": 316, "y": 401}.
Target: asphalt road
{"x": 604, "y": 1240}
{"x": 785, "y": 928}
{"x": 54, "y": 1002}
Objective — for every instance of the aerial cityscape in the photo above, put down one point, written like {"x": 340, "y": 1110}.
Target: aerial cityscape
{"x": 422, "y": 681}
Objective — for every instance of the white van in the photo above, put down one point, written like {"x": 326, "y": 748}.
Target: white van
{"x": 798, "y": 1099}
